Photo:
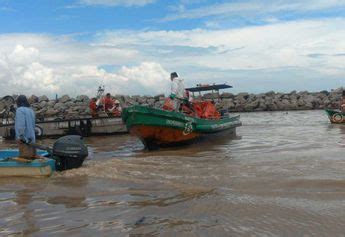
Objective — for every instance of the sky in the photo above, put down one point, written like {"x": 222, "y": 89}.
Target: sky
{"x": 131, "y": 46}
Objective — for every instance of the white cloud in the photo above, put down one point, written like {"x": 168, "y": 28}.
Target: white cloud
{"x": 38, "y": 77}
{"x": 278, "y": 45}
{"x": 145, "y": 78}
{"x": 256, "y": 8}
{"x": 284, "y": 47}
{"x": 49, "y": 65}
{"x": 149, "y": 74}
{"x": 23, "y": 55}
{"x": 127, "y": 3}
{"x": 139, "y": 62}
{"x": 212, "y": 25}
{"x": 21, "y": 72}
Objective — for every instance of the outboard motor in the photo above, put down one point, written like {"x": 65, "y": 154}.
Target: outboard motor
{"x": 69, "y": 152}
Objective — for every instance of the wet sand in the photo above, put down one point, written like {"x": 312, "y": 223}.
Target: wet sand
{"x": 283, "y": 175}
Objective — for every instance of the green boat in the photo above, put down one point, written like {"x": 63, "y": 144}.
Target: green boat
{"x": 160, "y": 128}
{"x": 336, "y": 116}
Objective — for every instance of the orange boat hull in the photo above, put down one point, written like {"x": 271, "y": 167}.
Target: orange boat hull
{"x": 152, "y": 135}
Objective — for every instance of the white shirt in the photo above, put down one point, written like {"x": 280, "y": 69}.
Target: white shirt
{"x": 177, "y": 87}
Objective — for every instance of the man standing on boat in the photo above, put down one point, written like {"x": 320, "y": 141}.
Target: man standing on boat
{"x": 25, "y": 128}
{"x": 177, "y": 90}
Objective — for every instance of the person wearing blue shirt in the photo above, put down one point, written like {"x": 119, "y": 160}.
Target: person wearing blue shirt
{"x": 25, "y": 128}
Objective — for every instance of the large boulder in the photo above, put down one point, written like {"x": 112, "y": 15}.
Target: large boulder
{"x": 240, "y": 100}
{"x": 33, "y": 99}
{"x": 157, "y": 97}
{"x": 252, "y": 105}
{"x": 135, "y": 98}
{"x": 69, "y": 104}
{"x": 82, "y": 98}
{"x": 243, "y": 95}
{"x": 151, "y": 102}
{"x": 43, "y": 104}
{"x": 142, "y": 100}
{"x": 51, "y": 103}
{"x": 51, "y": 112}
{"x": 60, "y": 107}
{"x": 227, "y": 95}
{"x": 227, "y": 103}
{"x": 270, "y": 94}
{"x": 211, "y": 96}
{"x": 64, "y": 99}
{"x": 43, "y": 98}
{"x": 159, "y": 104}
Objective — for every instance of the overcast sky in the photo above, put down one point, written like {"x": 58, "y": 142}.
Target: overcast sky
{"x": 131, "y": 46}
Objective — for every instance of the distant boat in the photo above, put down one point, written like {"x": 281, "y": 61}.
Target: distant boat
{"x": 336, "y": 116}
{"x": 160, "y": 128}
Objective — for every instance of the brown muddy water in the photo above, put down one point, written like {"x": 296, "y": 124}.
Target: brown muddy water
{"x": 283, "y": 175}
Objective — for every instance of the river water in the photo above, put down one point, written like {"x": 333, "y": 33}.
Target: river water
{"x": 283, "y": 175}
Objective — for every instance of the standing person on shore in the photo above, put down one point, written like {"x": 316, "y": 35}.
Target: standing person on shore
{"x": 25, "y": 128}
{"x": 177, "y": 90}
{"x": 342, "y": 103}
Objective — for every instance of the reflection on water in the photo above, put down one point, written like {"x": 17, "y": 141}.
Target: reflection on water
{"x": 23, "y": 199}
{"x": 283, "y": 175}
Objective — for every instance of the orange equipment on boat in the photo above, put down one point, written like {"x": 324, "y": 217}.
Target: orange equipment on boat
{"x": 200, "y": 109}
{"x": 206, "y": 109}
{"x": 168, "y": 104}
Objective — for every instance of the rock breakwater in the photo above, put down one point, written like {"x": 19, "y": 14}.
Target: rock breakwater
{"x": 67, "y": 107}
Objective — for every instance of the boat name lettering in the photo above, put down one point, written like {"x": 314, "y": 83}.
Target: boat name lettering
{"x": 224, "y": 125}
{"x": 188, "y": 128}
{"x": 338, "y": 118}
{"x": 189, "y": 119}
{"x": 174, "y": 123}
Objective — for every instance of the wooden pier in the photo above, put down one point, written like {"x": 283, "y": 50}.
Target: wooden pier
{"x": 85, "y": 127}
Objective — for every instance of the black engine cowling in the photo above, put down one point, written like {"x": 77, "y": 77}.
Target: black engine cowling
{"x": 69, "y": 152}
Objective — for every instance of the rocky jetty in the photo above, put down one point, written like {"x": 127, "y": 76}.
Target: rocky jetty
{"x": 273, "y": 101}
{"x": 66, "y": 107}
